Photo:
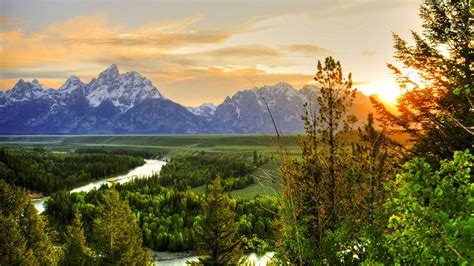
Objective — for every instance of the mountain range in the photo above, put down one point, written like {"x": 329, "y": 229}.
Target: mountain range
{"x": 115, "y": 103}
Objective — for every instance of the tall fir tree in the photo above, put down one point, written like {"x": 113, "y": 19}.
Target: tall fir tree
{"x": 25, "y": 236}
{"x": 333, "y": 122}
{"x": 436, "y": 74}
{"x": 216, "y": 235}
{"x": 319, "y": 186}
{"x": 375, "y": 167}
{"x": 76, "y": 251}
{"x": 117, "y": 237}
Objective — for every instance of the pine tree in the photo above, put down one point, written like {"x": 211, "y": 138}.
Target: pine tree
{"x": 319, "y": 187}
{"x": 13, "y": 244}
{"x": 371, "y": 155}
{"x": 25, "y": 237}
{"x": 118, "y": 239}
{"x": 76, "y": 251}
{"x": 436, "y": 107}
{"x": 216, "y": 235}
{"x": 374, "y": 168}
{"x": 334, "y": 123}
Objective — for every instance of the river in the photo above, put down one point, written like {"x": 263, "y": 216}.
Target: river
{"x": 149, "y": 168}
{"x": 252, "y": 258}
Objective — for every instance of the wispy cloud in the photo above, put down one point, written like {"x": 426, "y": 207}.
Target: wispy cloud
{"x": 307, "y": 50}
{"x": 202, "y": 57}
{"x": 215, "y": 83}
{"x": 89, "y": 37}
{"x": 8, "y": 20}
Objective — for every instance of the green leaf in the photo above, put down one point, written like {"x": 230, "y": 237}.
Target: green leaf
{"x": 457, "y": 91}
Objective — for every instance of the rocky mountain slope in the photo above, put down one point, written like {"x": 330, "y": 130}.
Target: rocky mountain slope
{"x": 115, "y": 103}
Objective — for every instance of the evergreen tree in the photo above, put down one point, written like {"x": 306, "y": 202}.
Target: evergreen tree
{"x": 333, "y": 122}
{"x": 435, "y": 109}
{"x": 76, "y": 251}
{"x": 371, "y": 155}
{"x": 25, "y": 237}
{"x": 319, "y": 187}
{"x": 374, "y": 168}
{"x": 216, "y": 235}
{"x": 13, "y": 244}
{"x": 117, "y": 237}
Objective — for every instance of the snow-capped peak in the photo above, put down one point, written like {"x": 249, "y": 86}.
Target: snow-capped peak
{"x": 110, "y": 73}
{"x": 24, "y": 90}
{"x": 123, "y": 90}
{"x": 71, "y": 84}
{"x": 206, "y": 110}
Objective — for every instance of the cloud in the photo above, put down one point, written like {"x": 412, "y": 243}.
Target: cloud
{"x": 7, "y": 20}
{"x": 87, "y": 38}
{"x": 369, "y": 52}
{"x": 307, "y": 50}
{"x": 247, "y": 51}
{"x": 216, "y": 83}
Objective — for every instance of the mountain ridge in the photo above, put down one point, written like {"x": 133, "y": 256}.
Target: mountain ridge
{"x": 128, "y": 103}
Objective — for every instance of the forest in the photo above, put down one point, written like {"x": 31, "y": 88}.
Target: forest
{"x": 46, "y": 172}
{"x": 369, "y": 200}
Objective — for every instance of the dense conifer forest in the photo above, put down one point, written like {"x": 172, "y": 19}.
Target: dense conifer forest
{"x": 47, "y": 172}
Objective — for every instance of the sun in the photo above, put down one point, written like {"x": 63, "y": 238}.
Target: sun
{"x": 388, "y": 91}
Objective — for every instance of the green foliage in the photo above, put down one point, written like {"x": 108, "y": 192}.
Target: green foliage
{"x": 76, "y": 251}
{"x": 165, "y": 215}
{"x": 432, "y": 213}
{"x": 24, "y": 234}
{"x": 216, "y": 234}
{"x": 119, "y": 151}
{"x": 196, "y": 170}
{"x": 256, "y": 244}
{"x": 50, "y": 172}
{"x": 117, "y": 237}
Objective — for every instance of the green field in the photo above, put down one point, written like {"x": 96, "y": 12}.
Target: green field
{"x": 267, "y": 182}
{"x": 169, "y": 145}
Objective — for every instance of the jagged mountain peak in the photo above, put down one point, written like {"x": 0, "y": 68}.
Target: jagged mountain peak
{"x": 110, "y": 73}
{"x": 123, "y": 90}
{"x": 25, "y": 90}
{"x": 280, "y": 88}
{"x": 71, "y": 84}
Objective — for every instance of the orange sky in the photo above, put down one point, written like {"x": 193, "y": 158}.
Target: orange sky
{"x": 196, "y": 53}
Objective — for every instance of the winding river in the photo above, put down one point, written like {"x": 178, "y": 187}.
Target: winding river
{"x": 149, "y": 168}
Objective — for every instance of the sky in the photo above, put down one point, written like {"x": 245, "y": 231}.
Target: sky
{"x": 196, "y": 52}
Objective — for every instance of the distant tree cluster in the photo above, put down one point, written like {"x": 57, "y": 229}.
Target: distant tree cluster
{"x": 120, "y": 151}
{"x": 196, "y": 170}
{"x": 50, "y": 172}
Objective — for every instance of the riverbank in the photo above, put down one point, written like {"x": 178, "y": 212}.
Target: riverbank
{"x": 151, "y": 167}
